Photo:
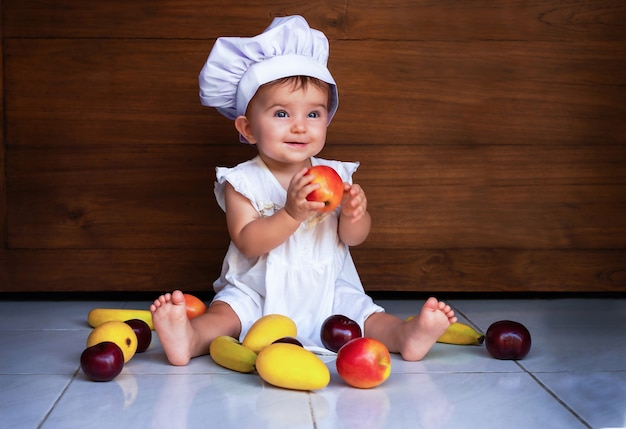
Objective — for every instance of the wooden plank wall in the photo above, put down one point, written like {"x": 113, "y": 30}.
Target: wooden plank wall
{"x": 491, "y": 136}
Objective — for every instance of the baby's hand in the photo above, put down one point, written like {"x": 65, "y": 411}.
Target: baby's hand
{"x": 297, "y": 205}
{"x": 354, "y": 202}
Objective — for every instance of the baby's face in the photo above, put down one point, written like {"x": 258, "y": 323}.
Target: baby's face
{"x": 288, "y": 124}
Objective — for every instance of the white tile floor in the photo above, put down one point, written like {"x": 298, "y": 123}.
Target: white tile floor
{"x": 574, "y": 377}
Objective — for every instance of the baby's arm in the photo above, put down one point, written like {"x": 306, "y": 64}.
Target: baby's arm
{"x": 355, "y": 221}
{"x": 254, "y": 235}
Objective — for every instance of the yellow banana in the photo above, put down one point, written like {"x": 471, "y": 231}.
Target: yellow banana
{"x": 98, "y": 316}
{"x": 226, "y": 351}
{"x": 268, "y": 329}
{"x": 462, "y": 334}
{"x": 292, "y": 367}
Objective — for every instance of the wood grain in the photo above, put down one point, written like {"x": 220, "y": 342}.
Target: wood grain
{"x": 491, "y": 137}
{"x": 130, "y": 92}
{"x": 161, "y": 270}
{"x": 390, "y": 20}
{"x": 2, "y": 159}
{"x": 420, "y": 197}
{"x": 492, "y": 270}
{"x": 428, "y": 271}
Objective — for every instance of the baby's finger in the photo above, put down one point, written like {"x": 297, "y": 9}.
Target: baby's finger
{"x": 316, "y": 205}
{"x": 307, "y": 189}
{"x": 301, "y": 178}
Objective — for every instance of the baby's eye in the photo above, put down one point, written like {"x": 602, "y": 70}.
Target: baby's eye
{"x": 314, "y": 115}
{"x": 280, "y": 114}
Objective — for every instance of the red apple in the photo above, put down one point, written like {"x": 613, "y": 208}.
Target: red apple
{"x": 337, "y": 330}
{"x": 364, "y": 363}
{"x": 103, "y": 361}
{"x": 507, "y": 339}
{"x": 330, "y": 191}
{"x": 143, "y": 332}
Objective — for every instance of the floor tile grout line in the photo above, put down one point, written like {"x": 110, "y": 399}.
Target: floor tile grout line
{"x": 556, "y": 398}
{"x": 45, "y": 417}
{"x": 534, "y": 377}
{"x": 311, "y": 410}
{"x": 56, "y": 403}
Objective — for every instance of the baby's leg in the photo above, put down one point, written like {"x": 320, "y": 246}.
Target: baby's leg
{"x": 413, "y": 338}
{"x": 183, "y": 339}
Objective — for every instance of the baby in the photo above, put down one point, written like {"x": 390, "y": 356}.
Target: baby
{"x": 285, "y": 256}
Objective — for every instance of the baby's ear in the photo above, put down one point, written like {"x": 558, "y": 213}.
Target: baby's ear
{"x": 243, "y": 126}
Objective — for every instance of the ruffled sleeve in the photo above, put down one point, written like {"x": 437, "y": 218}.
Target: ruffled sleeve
{"x": 237, "y": 178}
{"x": 254, "y": 181}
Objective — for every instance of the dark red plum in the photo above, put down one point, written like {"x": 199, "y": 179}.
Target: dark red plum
{"x": 103, "y": 361}
{"x": 143, "y": 332}
{"x": 507, "y": 339}
{"x": 337, "y": 330}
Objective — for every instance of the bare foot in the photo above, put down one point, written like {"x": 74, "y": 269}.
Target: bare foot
{"x": 169, "y": 316}
{"x": 422, "y": 331}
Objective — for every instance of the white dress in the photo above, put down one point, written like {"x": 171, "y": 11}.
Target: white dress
{"x": 308, "y": 278}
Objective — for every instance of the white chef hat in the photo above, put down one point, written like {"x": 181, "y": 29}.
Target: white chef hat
{"x": 238, "y": 66}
